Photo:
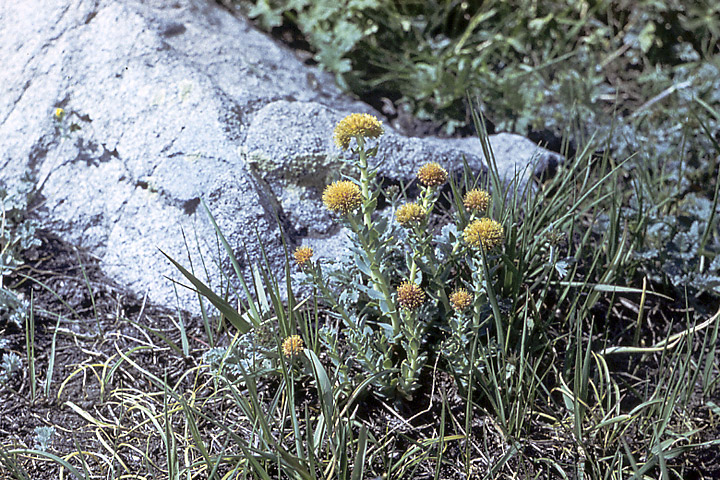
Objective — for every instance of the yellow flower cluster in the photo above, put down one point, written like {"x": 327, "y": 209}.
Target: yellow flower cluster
{"x": 432, "y": 174}
{"x": 476, "y": 200}
{"x": 59, "y": 114}
{"x": 485, "y": 232}
{"x": 303, "y": 255}
{"x": 460, "y": 299}
{"x": 410, "y": 296}
{"x": 292, "y": 345}
{"x": 342, "y": 197}
{"x": 356, "y": 125}
{"x": 409, "y": 214}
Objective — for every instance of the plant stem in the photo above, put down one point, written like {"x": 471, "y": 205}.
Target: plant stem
{"x": 378, "y": 279}
{"x": 427, "y": 204}
{"x": 413, "y": 268}
{"x": 364, "y": 181}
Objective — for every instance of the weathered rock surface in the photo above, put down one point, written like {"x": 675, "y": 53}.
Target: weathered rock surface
{"x": 173, "y": 102}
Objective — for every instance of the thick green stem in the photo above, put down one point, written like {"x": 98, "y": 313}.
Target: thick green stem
{"x": 364, "y": 181}
{"x": 412, "y": 336}
{"x": 378, "y": 279}
{"x": 427, "y": 203}
{"x": 413, "y": 269}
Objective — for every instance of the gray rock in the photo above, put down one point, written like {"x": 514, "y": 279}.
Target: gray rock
{"x": 290, "y": 145}
{"x": 171, "y": 102}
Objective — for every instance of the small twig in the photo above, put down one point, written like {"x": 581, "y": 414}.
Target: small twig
{"x": 667, "y": 344}
{"x": 142, "y": 308}
{"x": 668, "y": 91}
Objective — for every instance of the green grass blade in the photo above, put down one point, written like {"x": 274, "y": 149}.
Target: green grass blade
{"x": 223, "y": 306}
{"x": 62, "y": 462}
{"x": 51, "y": 358}
{"x": 359, "y": 465}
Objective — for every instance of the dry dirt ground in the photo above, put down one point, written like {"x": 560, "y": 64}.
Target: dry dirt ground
{"x": 89, "y": 319}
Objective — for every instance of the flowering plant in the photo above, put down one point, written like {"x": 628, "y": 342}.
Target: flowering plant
{"x": 396, "y": 286}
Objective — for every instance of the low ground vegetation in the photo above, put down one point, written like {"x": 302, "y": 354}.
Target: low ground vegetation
{"x": 565, "y": 327}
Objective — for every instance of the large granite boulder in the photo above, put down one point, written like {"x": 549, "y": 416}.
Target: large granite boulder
{"x": 167, "y": 103}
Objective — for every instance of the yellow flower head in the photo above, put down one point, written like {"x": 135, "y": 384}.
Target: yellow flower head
{"x": 410, "y": 213}
{"x": 59, "y": 113}
{"x": 342, "y": 197}
{"x": 410, "y": 296}
{"x": 356, "y": 125}
{"x": 477, "y": 200}
{"x": 303, "y": 255}
{"x": 485, "y": 232}
{"x": 432, "y": 174}
{"x": 460, "y": 299}
{"x": 292, "y": 345}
